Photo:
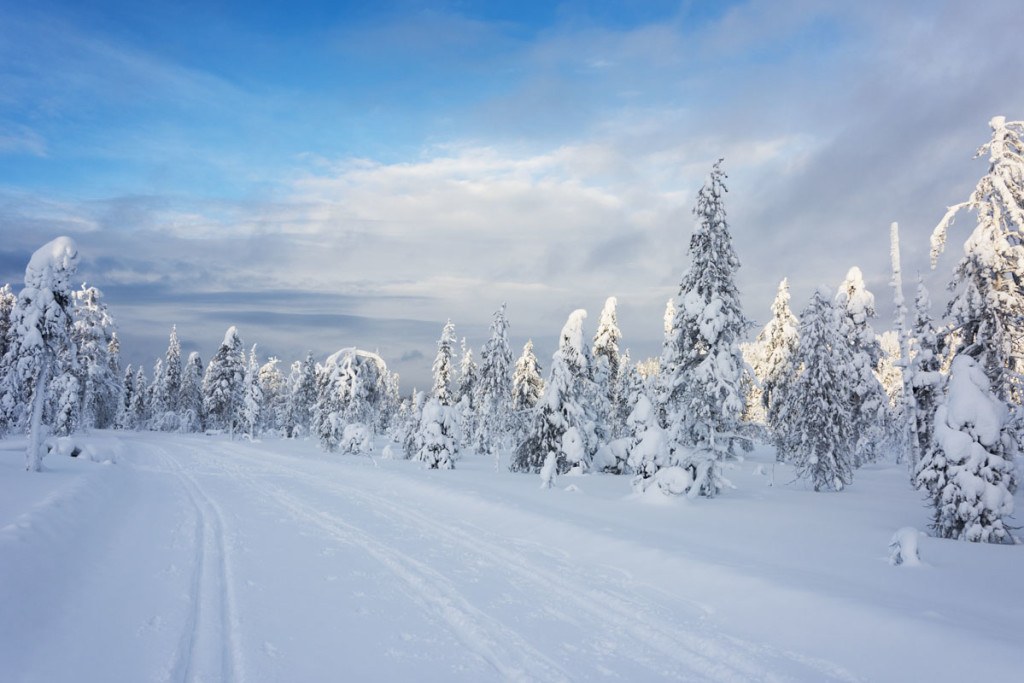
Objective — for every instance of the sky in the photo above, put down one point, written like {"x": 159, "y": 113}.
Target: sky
{"x": 354, "y": 174}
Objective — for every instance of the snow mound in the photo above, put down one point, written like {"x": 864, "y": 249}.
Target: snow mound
{"x": 903, "y": 548}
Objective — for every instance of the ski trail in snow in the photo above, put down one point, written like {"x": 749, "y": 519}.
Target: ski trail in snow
{"x": 620, "y": 615}
{"x": 505, "y": 650}
{"x": 209, "y": 649}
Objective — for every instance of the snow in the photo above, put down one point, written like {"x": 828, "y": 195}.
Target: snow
{"x": 202, "y": 558}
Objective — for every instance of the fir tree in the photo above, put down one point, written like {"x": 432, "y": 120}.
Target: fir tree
{"x": 125, "y": 417}
{"x": 867, "y": 398}
{"x": 190, "y": 401}
{"x": 703, "y": 369}
{"x": 527, "y": 385}
{"x": 99, "y": 381}
{"x": 222, "y": 383}
{"x": 7, "y": 301}
{"x": 303, "y": 398}
{"x": 775, "y": 368}
{"x": 816, "y": 412}
{"x": 139, "y": 408}
{"x": 924, "y": 376}
{"x": 987, "y": 307}
{"x": 274, "y": 388}
{"x": 250, "y": 416}
{"x": 466, "y": 408}
{"x": 436, "y": 438}
{"x": 607, "y": 367}
{"x": 494, "y": 391}
{"x": 561, "y": 423}
{"x": 442, "y": 367}
{"x": 968, "y": 471}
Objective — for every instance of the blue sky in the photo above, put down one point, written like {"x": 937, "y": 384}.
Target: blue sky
{"x": 337, "y": 174}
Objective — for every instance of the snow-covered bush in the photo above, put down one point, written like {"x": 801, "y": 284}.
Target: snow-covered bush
{"x": 356, "y": 439}
{"x": 903, "y": 548}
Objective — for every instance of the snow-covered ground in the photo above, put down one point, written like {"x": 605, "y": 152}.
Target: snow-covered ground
{"x": 201, "y": 558}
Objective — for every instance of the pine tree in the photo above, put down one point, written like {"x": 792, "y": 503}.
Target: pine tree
{"x": 157, "y": 397}
{"x": 607, "y": 367}
{"x": 987, "y": 306}
{"x": 494, "y": 391}
{"x": 125, "y": 418}
{"x": 816, "y": 412}
{"x": 190, "y": 401}
{"x": 968, "y": 471}
{"x": 527, "y": 385}
{"x": 222, "y": 383}
{"x": 703, "y": 370}
{"x": 7, "y": 301}
{"x": 409, "y": 437}
{"x": 172, "y": 371}
{"x": 41, "y": 349}
{"x": 466, "y": 407}
{"x": 442, "y": 367}
{"x": 274, "y": 388}
{"x": 107, "y": 413}
{"x": 868, "y": 400}
{"x": 561, "y": 423}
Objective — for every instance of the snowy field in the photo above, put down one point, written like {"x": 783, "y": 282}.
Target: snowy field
{"x": 200, "y": 558}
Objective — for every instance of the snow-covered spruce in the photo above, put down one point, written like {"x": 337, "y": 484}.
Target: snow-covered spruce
{"x": 99, "y": 374}
{"x": 607, "y": 368}
{"x": 562, "y": 408}
{"x": 466, "y": 396}
{"x": 818, "y": 424}
{"x": 869, "y": 404}
{"x": 527, "y": 388}
{"x": 442, "y": 369}
{"x": 776, "y": 346}
{"x": 41, "y": 350}
{"x": 987, "y": 307}
{"x": 968, "y": 472}
{"x": 702, "y": 364}
{"x": 438, "y": 447}
{"x": 303, "y": 397}
{"x": 495, "y": 388}
{"x": 275, "y": 391}
{"x": 190, "y": 401}
{"x": 250, "y": 415}
{"x": 648, "y": 450}
{"x": 352, "y": 388}
{"x": 924, "y": 375}
{"x": 222, "y": 383}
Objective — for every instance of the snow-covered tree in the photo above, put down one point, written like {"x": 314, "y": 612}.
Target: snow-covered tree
{"x": 409, "y": 434}
{"x": 466, "y": 403}
{"x": 867, "y": 398}
{"x": 890, "y": 373}
{"x": 904, "y": 426}
{"x": 494, "y": 391}
{"x": 819, "y": 436}
{"x": 303, "y": 398}
{"x": 167, "y": 388}
{"x": 190, "y": 400}
{"x": 774, "y": 367}
{"x": 7, "y": 301}
{"x": 562, "y": 409}
{"x": 351, "y": 390}
{"x": 250, "y": 414}
{"x": 41, "y": 350}
{"x": 442, "y": 368}
{"x": 987, "y": 307}
{"x": 607, "y": 366}
{"x": 438, "y": 448}
{"x": 139, "y": 408}
{"x": 702, "y": 369}
{"x": 124, "y": 419}
{"x": 156, "y": 398}
{"x": 222, "y": 383}
{"x": 527, "y": 385}
{"x": 274, "y": 388}
{"x": 968, "y": 472}
{"x": 924, "y": 375}
{"x": 98, "y": 379}
{"x": 648, "y": 450}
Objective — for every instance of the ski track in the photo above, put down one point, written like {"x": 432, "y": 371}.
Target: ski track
{"x": 209, "y": 649}
{"x": 630, "y": 624}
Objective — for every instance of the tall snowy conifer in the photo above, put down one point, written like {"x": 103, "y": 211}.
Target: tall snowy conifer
{"x": 442, "y": 367}
{"x": 607, "y": 367}
{"x": 904, "y": 418}
{"x": 561, "y": 424}
{"x": 924, "y": 376}
{"x": 222, "y": 383}
{"x": 987, "y": 306}
{"x": 190, "y": 400}
{"x": 494, "y": 391}
{"x": 703, "y": 375}
{"x": 41, "y": 350}
{"x": 250, "y": 417}
{"x": 868, "y": 400}
{"x": 7, "y": 301}
{"x": 968, "y": 471}
{"x": 99, "y": 380}
{"x": 816, "y": 413}
{"x": 777, "y": 344}
{"x": 303, "y": 398}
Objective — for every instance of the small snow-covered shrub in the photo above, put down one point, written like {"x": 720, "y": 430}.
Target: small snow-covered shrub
{"x": 356, "y": 438}
{"x": 903, "y": 548}
{"x": 674, "y": 480}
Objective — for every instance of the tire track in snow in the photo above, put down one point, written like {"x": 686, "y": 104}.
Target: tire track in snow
{"x": 209, "y": 649}
{"x": 652, "y": 640}
{"x": 503, "y": 649}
